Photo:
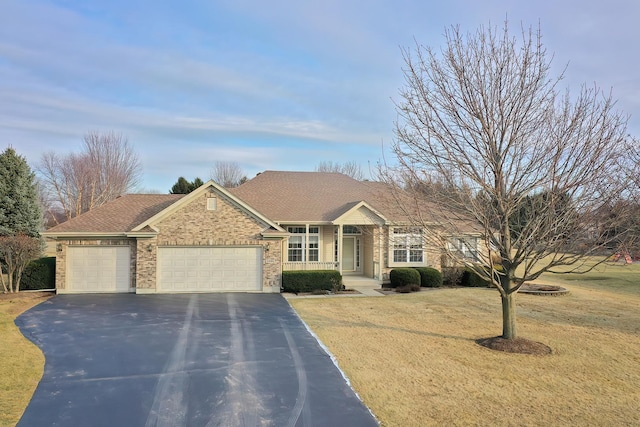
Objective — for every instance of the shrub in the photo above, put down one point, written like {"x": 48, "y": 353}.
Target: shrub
{"x": 311, "y": 281}
{"x": 404, "y": 276}
{"x": 472, "y": 279}
{"x": 452, "y": 276}
{"x": 39, "y": 274}
{"x": 429, "y": 277}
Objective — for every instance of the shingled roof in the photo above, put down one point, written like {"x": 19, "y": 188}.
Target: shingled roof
{"x": 118, "y": 216}
{"x": 282, "y": 197}
{"x": 306, "y": 196}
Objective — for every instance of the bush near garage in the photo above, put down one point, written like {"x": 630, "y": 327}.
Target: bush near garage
{"x": 401, "y": 277}
{"x": 311, "y": 280}
{"x": 39, "y": 274}
{"x": 429, "y": 277}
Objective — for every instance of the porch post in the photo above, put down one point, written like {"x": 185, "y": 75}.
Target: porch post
{"x": 306, "y": 246}
{"x": 340, "y": 249}
{"x": 380, "y": 251}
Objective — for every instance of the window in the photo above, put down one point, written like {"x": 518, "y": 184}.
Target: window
{"x": 298, "y": 249}
{"x": 350, "y": 229}
{"x": 466, "y": 247}
{"x": 314, "y": 247}
{"x": 408, "y": 245}
{"x": 212, "y": 203}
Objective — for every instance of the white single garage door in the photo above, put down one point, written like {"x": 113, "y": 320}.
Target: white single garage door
{"x": 206, "y": 269}
{"x": 98, "y": 269}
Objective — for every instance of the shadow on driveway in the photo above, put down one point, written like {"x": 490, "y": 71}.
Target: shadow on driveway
{"x": 183, "y": 360}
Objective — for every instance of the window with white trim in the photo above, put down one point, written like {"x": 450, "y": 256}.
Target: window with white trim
{"x": 408, "y": 245}
{"x": 303, "y": 243}
{"x": 466, "y": 247}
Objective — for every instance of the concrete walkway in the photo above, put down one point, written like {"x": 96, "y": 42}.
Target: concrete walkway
{"x": 365, "y": 286}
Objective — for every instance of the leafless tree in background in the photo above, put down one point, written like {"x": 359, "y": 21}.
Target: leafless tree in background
{"x": 484, "y": 116}
{"x": 227, "y": 174}
{"x": 106, "y": 168}
{"x": 350, "y": 168}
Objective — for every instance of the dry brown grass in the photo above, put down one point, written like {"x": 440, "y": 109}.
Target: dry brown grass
{"x": 414, "y": 361}
{"x": 21, "y": 362}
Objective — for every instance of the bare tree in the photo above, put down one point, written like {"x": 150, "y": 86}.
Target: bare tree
{"x": 485, "y": 115}
{"x": 76, "y": 183}
{"x": 16, "y": 251}
{"x": 227, "y": 174}
{"x": 350, "y": 168}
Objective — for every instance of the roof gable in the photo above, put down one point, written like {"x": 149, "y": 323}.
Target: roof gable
{"x": 213, "y": 188}
{"x": 135, "y": 214}
{"x": 361, "y": 214}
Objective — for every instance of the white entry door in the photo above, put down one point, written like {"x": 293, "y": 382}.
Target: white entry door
{"x": 348, "y": 254}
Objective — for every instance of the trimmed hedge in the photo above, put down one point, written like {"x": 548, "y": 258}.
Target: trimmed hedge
{"x": 471, "y": 279}
{"x": 39, "y": 274}
{"x": 429, "y": 277}
{"x": 311, "y": 280}
{"x": 404, "y": 276}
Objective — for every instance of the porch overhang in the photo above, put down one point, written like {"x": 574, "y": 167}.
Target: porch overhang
{"x": 360, "y": 214}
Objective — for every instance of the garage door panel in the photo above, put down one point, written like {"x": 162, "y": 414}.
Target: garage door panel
{"x": 98, "y": 269}
{"x": 209, "y": 269}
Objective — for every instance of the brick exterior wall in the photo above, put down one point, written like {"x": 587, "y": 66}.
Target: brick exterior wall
{"x": 194, "y": 225}
{"x": 146, "y": 257}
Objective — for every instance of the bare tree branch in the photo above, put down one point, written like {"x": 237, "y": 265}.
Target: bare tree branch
{"x": 76, "y": 183}
{"x": 16, "y": 251}
{"x": 227, "y": 174}
{"x": 350, "y": 168}
{"x": 485, "y": 117}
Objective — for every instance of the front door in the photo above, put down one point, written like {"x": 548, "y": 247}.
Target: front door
{"x": 348, "y": 254}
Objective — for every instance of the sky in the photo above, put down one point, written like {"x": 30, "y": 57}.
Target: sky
{"x": 277, "y": 85}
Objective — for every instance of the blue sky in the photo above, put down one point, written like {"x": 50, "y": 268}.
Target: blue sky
{"x": 278, "y": 85}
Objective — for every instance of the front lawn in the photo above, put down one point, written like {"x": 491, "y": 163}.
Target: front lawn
{"x": 414, "y": 361}
{"x": 21, "y": 362}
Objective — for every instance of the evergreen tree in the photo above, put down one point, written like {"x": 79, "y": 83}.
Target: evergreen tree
{"x": 182, "y": 186}
{"x": 20, "y": 211}
{"x": 20, "y": 219}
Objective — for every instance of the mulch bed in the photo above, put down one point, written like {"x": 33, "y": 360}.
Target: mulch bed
{"x": 539, "y": 289}
{"x": 518, "y": 345}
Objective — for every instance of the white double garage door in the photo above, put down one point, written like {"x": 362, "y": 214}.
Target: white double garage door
{"x": 179, "y": 269}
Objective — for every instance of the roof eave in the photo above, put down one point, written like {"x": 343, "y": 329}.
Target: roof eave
{"x": 142, "y": 234}
{"x": 83, "y": 234}
{"x": 298, "y": 222}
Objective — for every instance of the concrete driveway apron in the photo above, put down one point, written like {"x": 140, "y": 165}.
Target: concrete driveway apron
{"x": 183, "y": 360}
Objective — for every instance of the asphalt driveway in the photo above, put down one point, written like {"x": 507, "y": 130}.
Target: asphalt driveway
{"x": 183, "y": 360}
